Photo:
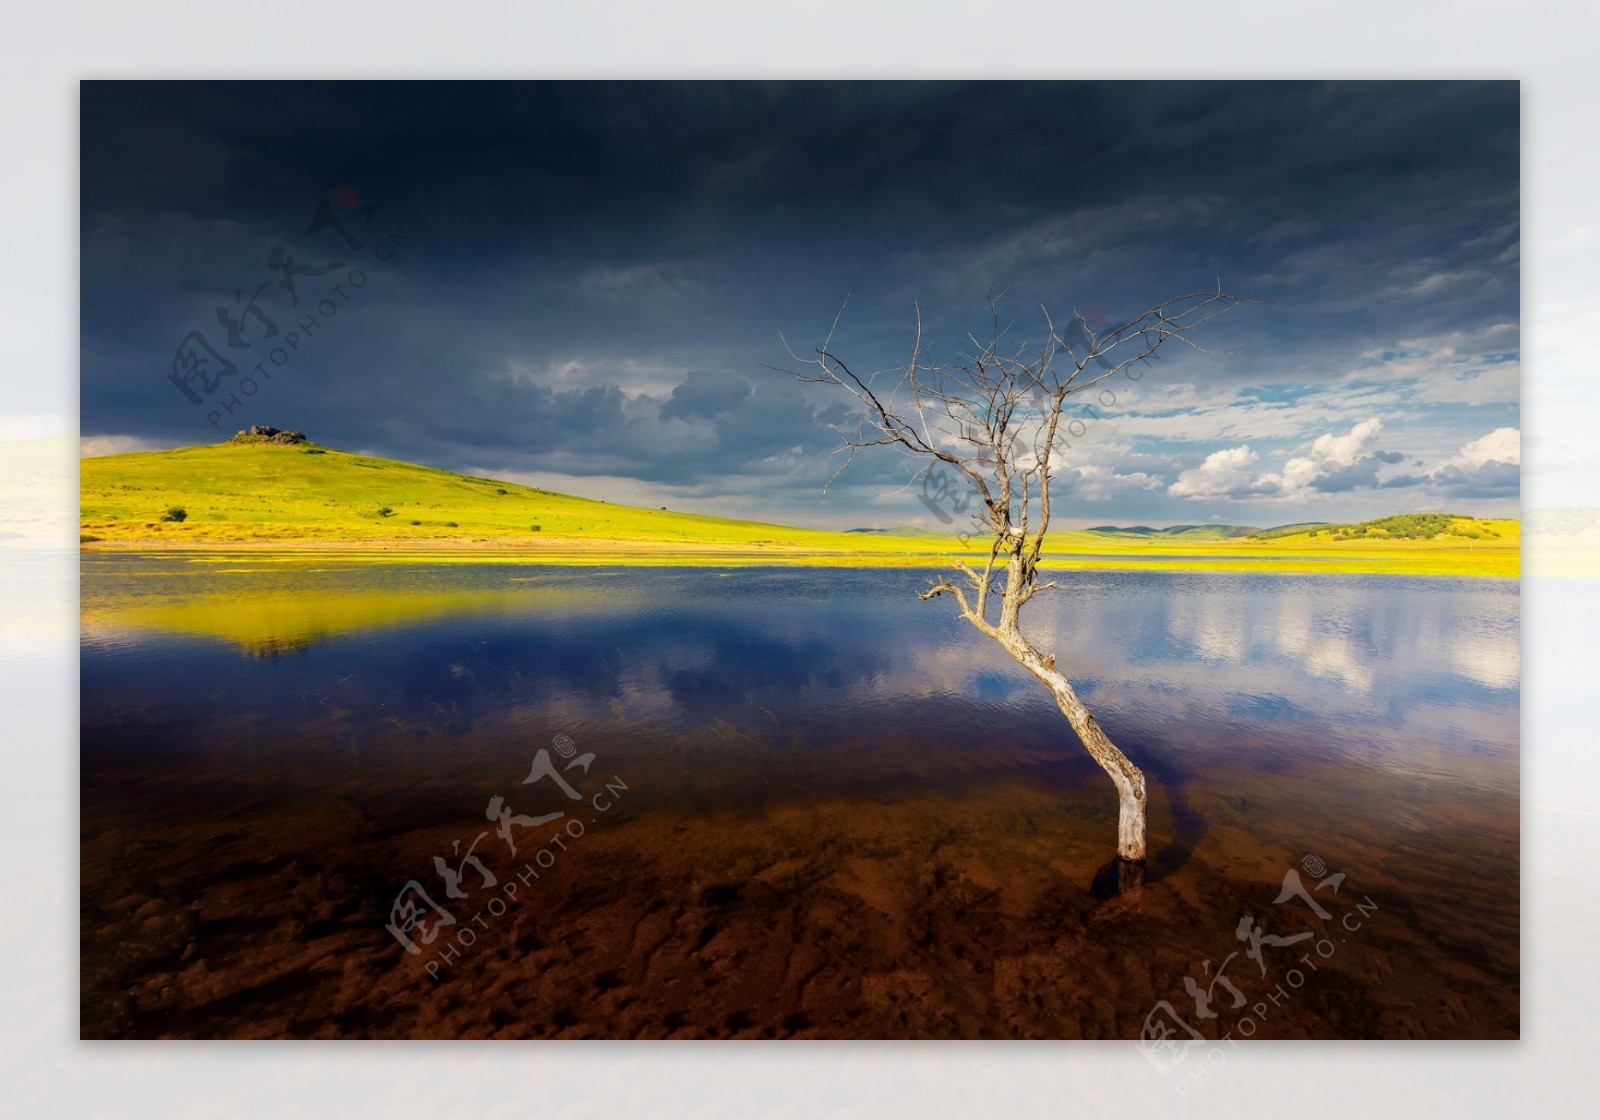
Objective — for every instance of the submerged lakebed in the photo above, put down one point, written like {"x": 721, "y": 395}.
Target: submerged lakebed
{"x": 830, "y": 809}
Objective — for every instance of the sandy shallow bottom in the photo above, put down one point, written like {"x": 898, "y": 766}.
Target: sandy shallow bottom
{"x": 864, "y": 890}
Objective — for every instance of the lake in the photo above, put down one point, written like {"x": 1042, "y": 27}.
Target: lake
{"x": 776, "y": 802}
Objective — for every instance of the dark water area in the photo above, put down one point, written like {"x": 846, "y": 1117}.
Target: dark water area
{"x": 792, "y": 802}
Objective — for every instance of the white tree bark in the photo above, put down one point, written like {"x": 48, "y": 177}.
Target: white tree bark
{"x": 1127, "y": 777}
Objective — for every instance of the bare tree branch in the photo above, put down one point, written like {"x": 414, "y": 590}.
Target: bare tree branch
{"x": 974, "y": 414}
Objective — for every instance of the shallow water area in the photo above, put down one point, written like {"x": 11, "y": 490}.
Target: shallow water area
{"x": 830, "y": 809}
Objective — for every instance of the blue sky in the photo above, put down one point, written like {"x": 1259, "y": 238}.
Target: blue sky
{"x": 582, "y": 285}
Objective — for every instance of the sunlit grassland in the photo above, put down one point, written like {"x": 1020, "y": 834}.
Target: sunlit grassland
{"x": 251, "y": 494}
{"x": 298, "y": 501}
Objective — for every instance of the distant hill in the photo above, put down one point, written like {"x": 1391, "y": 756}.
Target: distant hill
{"x": 1400, "y": 527}
{"x": 1287, "y": 530}
{"x": 1178, "y": 532}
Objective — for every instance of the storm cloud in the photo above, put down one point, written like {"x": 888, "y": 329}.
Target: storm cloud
{"x": 583, "y": 283}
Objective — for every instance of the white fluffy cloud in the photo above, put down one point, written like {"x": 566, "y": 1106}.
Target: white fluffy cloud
{"x": 1224, "y": 474}
{"x": 1487, "y": 467}
{"x": 1343, "y": 450}
{"x": 1503, "y": 445}
{"x": 1335, "y": 463}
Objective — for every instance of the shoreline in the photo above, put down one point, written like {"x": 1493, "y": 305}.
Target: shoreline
{"x": 570, "y": 553}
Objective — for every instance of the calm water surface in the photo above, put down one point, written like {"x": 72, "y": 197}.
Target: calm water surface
{"x": 833, "y": 810}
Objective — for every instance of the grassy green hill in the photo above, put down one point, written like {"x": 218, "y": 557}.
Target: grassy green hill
{"x": 1286, "y": 530}
{"x": 247, "y": 493}
{"x": 1404, "y": 527}
{"x": 1400, "y": 527}
{"x": 301, "y": 496}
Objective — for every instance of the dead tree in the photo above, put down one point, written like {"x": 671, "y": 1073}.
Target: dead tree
{"x": 995, "y": 415}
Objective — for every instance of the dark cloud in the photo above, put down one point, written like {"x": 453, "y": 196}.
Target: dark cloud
{"x": 1466, "y": 480}
{"x": 706, "y": 394}
{"x": 1484, "y": 480}
{"x": 1361, "y": 473}
{"x": 592, "y": 275}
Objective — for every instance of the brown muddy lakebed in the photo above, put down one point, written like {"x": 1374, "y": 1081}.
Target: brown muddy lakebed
{"x": 816, "y": 807}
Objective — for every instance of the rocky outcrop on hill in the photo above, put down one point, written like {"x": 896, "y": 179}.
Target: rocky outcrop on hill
{"x": 261, "y": 433}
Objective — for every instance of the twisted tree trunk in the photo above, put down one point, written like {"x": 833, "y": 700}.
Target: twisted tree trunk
{"x": 993, "y": 417}
{"x": 1129, "y": 779}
